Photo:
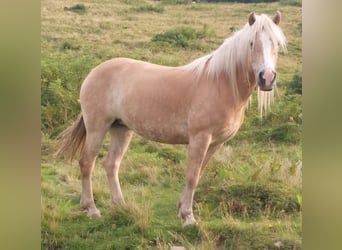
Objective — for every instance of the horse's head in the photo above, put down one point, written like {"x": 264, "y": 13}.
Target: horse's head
{"x": 264, "y": 48}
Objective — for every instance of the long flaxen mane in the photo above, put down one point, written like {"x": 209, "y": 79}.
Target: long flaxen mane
{"x": 236, "y": 51}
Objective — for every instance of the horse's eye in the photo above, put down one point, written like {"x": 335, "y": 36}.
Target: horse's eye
{"x": 251, "y": 44}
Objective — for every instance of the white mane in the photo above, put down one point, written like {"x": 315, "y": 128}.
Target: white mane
{"x": 236, "y": 51}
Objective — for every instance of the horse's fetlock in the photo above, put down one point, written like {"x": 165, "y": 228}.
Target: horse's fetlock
{"x": 184, "y": 212}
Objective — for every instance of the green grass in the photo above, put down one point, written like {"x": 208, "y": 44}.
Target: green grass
{"x": 239, "y": 204}
{"x": 291, "y": 2}
{"x": 250, "y": 195}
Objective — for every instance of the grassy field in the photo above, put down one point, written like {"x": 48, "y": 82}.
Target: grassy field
{"x": 250, "y": 196}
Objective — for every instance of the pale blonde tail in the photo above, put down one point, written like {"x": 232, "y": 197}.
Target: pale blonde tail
{"x": 72, "y": 140}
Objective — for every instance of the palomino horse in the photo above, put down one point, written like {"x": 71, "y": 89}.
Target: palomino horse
{"x": 201, "y": 104}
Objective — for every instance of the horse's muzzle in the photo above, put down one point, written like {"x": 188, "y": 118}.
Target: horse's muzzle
{"x": 266, "y": 79}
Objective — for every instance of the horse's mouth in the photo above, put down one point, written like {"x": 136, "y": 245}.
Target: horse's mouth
{"x": 263, "y": 87}
{"x": 266, "y": 90}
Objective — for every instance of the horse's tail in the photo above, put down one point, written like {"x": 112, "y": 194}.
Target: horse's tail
{"x": 72, "y": 140}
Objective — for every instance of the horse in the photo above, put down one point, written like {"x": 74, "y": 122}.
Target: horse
{"x": 200, "y": 104}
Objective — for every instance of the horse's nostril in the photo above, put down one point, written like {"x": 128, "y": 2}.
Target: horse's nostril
{"x": 267, "y": 76}
{"x": 261, "y": 77}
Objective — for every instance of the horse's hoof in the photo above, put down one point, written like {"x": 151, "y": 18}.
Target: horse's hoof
{"x": 93, "y": 212}
{"x": 189, "y": 220}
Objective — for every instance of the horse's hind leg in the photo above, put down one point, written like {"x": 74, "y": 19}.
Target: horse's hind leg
{"x": 121, "y": 137}
{"x": 87, "y": 163}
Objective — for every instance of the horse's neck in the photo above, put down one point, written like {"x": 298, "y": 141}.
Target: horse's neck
{"x": 246, "y": 84}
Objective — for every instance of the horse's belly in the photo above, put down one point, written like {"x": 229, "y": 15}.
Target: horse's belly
{"x": 162, "y": 134}
{"x": 161, "y": 130}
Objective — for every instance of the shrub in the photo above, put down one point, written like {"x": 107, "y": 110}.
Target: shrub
{"x": 131, "y": 2}
{"x": 61, "y": 79}
{"x": 288, "y": 132}
{"x": 295, "y": 86}
{"x": 176, "y": 1}
{"x": 291, "y": 2}
{"x": 284, "y": 2}
{"x": 58, "y": 105}
{"x": 78, "y": 8}
{"x": 252, "y": 199}
{"x": 244, "y": 1}
{"x": 69, "y": 46}
{"x": 148, "y": 8}
{"x": 184, "y": 37}
{"x": 282, "y": 124}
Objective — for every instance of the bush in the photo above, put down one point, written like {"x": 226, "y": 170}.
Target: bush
{"x": 288, "y": 132}
{"x": 61, "y": 79}
{"x": 184, "y": 37}
{"x": 251, "y": 199}
{"x": 284, "y": 2}
{"x": 69, "y": 46}
{"x": 58, "y": 104}
{"x": 282, "y": 124}
{"x": 176, "y": 1}
{"x": 244, "y": 1}
{"x": 291, "y": 2}
{"x": 295, "y": 86}
{"x": 78, "y": 8}
{"x": 148, "y": 8}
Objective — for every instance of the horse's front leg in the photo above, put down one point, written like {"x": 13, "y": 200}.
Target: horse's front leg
{"x": 197, "y": 149}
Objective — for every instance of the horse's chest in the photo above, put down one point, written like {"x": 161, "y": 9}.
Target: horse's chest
{"x": 228, "y": 129}
{"x": 226, "y": 133}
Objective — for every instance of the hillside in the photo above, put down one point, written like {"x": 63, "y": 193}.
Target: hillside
{"x": 250, "y": 196}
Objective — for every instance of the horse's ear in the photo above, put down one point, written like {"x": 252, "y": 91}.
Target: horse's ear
{"x": 277, "y": 17}
{"x": 251, "y": 18}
